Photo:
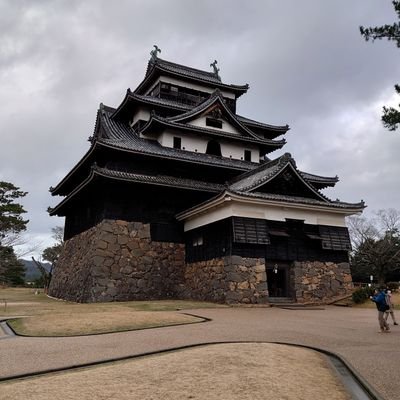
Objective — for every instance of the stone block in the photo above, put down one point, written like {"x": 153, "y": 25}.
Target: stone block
{"x": 122, "y": 239}
{"x": 101, "y": 244}
{"x": 236, "y": 260}
{"x": 98, "y": 261}
{"x": 243, "y": 285}
{"x": 234, "y": 277}
{"x": 109, "y": 238}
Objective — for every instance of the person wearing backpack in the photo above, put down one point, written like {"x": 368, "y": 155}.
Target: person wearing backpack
{"x": 390, "y": 311}
{"x": 379, "y": 299}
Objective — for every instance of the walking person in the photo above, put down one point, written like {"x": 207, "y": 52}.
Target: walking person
{"x": 379, "y": 298}
{"x": 389, "y": 302}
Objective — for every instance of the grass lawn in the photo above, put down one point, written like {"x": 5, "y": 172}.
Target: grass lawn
{"x": 39, "y": 315}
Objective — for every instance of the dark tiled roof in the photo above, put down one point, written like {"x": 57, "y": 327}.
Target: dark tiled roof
{"x": 320, "y": 181}
{"x": 216, "y": 97}
{"x": 189, "y": 73}
{"x": 162, "y": 180}
{"x": 134, "y": 98}
{"x": 213, "y": 132}
{"x": 159, "y": 180}
{"x": 251, "y": 180}
{"x": 300, "y": 200}
{"x": 248, "y": 121}
{"x": 219, "y": 198}
{"x": 119, "y": 135}
{"x": 160, "y": 102}
{"x": 183, "y": 70}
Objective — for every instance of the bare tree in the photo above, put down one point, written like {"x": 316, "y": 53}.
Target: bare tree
{"x": 376, "y": 244}
{"x": 51, "y": 254}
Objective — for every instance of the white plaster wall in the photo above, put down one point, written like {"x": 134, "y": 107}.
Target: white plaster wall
{"x": 199, "y": 145}
{"x": 237, "y": 151}
{"x": 269, "y": 212}
{"x": 188, "y": 142}
{"x": 194, "y": 86}
{"x": 226, "y": 126}
{"x": 140, "y": 113}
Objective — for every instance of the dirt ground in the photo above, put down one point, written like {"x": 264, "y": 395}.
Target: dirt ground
{"x": 245, "y": 371}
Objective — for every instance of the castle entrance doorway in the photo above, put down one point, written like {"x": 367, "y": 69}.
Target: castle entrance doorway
{"x": 278, "y": 279}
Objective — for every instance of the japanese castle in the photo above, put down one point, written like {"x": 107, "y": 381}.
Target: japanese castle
{"x": 179, "y": 197}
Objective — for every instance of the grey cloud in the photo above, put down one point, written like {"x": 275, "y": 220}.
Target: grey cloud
{"x": 306, "y": 64}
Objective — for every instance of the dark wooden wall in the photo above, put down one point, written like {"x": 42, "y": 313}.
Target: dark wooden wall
{"x": 287, "y": 241}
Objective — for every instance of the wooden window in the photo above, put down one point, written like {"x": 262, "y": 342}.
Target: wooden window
{"x": 197, "y": 240}
{"x": 250, "y": 230}
{"x": 334, "y": 238}
{"x": 247, "y": 155}
{"x": 165, "y": 87}
{"x": 177, "y": 142}
{"x": 215, "y": 123}
{"x": 214, "y": 148}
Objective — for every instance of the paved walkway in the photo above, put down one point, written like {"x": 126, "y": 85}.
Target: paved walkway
{"x": 350, "y": 333}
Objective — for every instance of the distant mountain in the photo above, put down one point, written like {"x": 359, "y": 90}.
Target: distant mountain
{"x": 31, "y": 270}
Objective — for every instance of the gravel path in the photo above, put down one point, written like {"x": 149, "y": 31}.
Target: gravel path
{"x": 351, "y": 333}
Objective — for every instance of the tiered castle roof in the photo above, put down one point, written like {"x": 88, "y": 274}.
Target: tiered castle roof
{"x": 147, "y": 118}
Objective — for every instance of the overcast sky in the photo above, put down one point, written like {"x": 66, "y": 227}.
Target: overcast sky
{"x": 305, "y": 62}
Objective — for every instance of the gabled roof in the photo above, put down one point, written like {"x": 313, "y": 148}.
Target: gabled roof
{"x": 181, "y": 122}
{"x": 216, "y": 99}
{"x": 156, "y": 122}
{"x": 267, "y": 199}
{"x": 160, "y": 66}
{"x": 118, "y": 135}
{"x": 121, "y": 136}
{"x": 267, "y": 172}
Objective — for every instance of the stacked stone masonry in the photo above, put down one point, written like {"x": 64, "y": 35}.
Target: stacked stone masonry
{"x": 117, "y": 261}
{"x": 320, "y": 282}
{"x": 230, "y": 279}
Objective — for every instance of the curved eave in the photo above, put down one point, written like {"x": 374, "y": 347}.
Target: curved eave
{"x": 157, "y": 123}
{"x": 159, "y": 180}
{"x": 216, "y": 97}
{"x": 278, "y": 129}
{"x": 125, "y": 109}
{"x": 157, "y": 69}
{"x": 180, "y": 183}
{"x": 58, "y": 190}
{"x": 279, "y": 170}
{"x": 320, "y": 181}
{"x": 244, "y": 167}
{"x": 228, "y": 196}
{"x": 54, "y": 211}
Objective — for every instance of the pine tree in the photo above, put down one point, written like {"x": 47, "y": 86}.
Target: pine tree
{"x": 391, "y": 116}
{"x": 11, "y": 221}
{"x": 12, "y": 271}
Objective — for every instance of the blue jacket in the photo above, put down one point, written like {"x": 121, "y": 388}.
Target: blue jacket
{"x": 380, "y": 301}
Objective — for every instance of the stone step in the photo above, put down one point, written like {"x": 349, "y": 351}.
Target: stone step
{"x": 281, "y": 300}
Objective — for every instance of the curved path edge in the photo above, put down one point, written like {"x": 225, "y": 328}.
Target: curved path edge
{"x": 355, "y": 384}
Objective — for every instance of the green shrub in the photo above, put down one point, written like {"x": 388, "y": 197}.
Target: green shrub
{"x": 393, "y": 286}
{"x": 362, "y": 295}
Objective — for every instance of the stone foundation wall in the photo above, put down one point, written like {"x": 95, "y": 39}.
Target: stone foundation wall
{"x": 321, "y": 281}
{"x": 116, "y": 261}
{"x": 230, "y": 279}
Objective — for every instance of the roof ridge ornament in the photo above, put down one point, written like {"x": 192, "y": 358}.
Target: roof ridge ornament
{"x": 154, "y": 52}
{"x": 216, "y": 69}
